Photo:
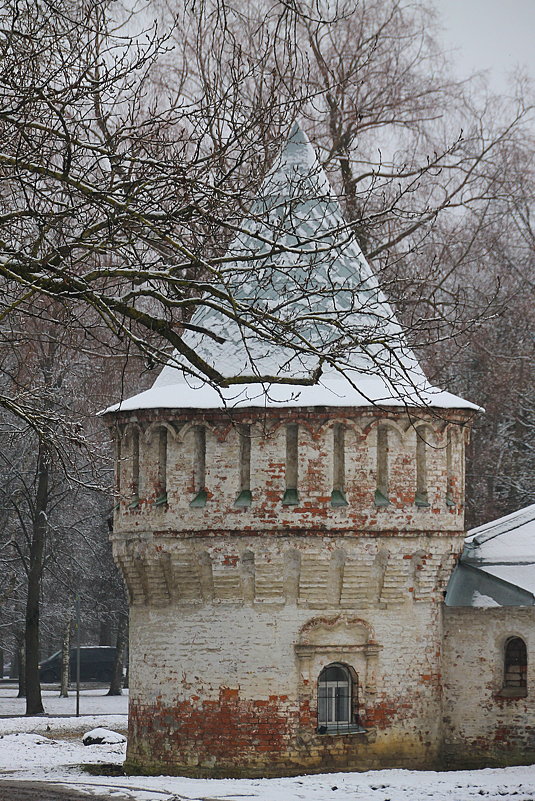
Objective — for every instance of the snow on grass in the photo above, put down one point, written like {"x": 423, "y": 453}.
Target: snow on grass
{"x": 50, "y": 749}
{"x": 30, "y": 755}
{"x": 92, "y": 701}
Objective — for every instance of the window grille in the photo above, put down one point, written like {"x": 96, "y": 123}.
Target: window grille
{"x": 515, "y": 663}
{"x": 337, "y": 696}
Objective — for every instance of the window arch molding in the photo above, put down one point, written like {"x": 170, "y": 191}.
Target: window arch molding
{"x": 155, "y": 427}
{"x": 159, "y": 438}
{"x": 387, "y": 435}
{"x": 341, "y": 639}
{"x": 188, "y": 430}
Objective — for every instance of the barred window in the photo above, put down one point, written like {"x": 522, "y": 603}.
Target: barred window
{"x": 337, "y": 694}
{"x": 515, "y": 663}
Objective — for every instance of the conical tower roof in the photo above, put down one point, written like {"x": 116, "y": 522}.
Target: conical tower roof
{"x": 299, "y": 278}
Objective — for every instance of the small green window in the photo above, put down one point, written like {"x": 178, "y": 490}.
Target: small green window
{"x": 421, "y": 500}
{"x": 381, "y": 499}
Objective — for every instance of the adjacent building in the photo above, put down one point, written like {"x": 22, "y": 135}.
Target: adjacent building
{"x": 489, "y": 634}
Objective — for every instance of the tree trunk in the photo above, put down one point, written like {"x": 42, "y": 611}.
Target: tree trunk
{"x": 34, "y": 702}
{"x": 1, "y": 663}
{"x": 66, "y": 657}
{"x": 21, "y": 662}
{"x": 14, "y": 666}
{"x": 116, "y": 686}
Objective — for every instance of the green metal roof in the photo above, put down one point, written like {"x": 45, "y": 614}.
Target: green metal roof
{"x": 298, "y": 276}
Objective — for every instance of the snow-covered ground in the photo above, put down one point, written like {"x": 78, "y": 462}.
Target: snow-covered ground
{"x": 50, "y": 749}
{"x": 92, "y": 702}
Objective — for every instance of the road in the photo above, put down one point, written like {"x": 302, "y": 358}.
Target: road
{"x": 43, "y": 791}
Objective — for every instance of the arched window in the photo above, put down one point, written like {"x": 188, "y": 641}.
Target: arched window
{"x": 450, "y": 485}
{"x": 338, "y": 497}
{"x": 515, "y": 665}
{"x": 244, "y": 498}
{"x": 118, "y": 464}
{"x": 335, "y": 698}
{"x": 291, "y": 495}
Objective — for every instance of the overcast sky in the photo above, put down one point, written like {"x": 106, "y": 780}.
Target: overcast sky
{"x": 489, "y": 34}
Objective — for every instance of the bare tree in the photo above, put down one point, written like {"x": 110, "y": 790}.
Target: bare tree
{"x": 129, "y": 161}
{"x": 109, "y": 187}
{"x": 50, "y": 471}
{"x": 116, "y": 684}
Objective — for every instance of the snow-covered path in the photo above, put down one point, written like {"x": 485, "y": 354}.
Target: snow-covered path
{"x": 49, "y": 749}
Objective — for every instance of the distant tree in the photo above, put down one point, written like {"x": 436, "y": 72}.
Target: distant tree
{"x": 436, "y": 178}
{"x": 116, "y": 684}
{"x": 55, "y": 476}
{"x": 128, "y": 162}
{"x": 120, "y": 190}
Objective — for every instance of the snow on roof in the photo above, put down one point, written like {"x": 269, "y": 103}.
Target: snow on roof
{"x": 489, "y": 540}
{"x": 187, "y": 393}
{"x": 501, "y": 556}
{"x": 295, "y": 259}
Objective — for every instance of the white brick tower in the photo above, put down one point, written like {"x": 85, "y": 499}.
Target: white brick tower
{"x": 285, "y": 547}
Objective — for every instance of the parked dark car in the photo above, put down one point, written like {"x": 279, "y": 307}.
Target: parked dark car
{"x": 96, "y": 664}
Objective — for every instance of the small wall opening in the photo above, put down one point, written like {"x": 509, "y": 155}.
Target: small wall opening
{"x": 381, "y": 492}
{"x": 199, "y": 466}
{"x": 450, "y": 482}
{"x": 134, "y": 438}
{"x": 338, "y": 497}
{"x": 291, "y": 495}
{"x": 421, "y": 496}
{"x": 118, "y": 466}
{"x": 244, "y": 498}
{"x": 515, "y": 667}
{"x": 161, "y": 489}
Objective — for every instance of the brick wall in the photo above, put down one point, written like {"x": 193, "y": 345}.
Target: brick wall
{"x": 231, "y": 633}
{"x": 482, "y": 726}
{"x": 315, "y": 483}
{"x": 235, "y": 611}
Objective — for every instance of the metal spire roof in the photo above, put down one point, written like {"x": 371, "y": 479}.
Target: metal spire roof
{"x": 295, "y": 260}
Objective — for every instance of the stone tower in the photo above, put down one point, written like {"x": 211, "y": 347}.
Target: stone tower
{"x": 285, "y": 547}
